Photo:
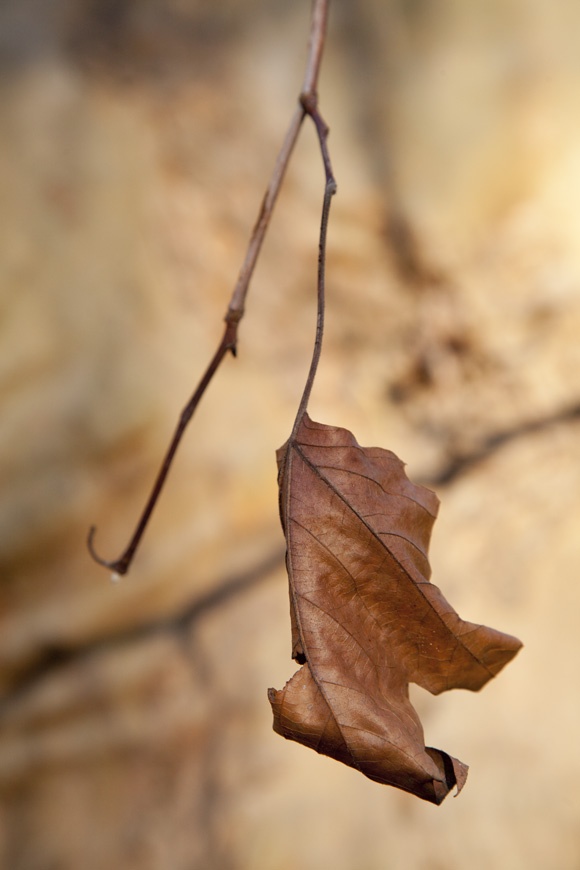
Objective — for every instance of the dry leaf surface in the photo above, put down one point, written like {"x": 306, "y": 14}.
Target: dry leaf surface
{"x": 366, "y": 621}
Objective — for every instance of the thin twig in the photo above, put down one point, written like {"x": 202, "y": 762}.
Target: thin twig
{"x": 235, "y": 310}
{"x": 316, "y": 43}
{"x": 121, "y": 565}
{"x": 237, "y": 303}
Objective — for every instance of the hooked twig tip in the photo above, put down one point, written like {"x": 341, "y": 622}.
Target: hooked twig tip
{"x": 117, "y": 566}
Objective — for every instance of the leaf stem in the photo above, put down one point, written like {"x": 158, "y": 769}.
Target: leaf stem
{"x": 236, "y": 307}
{"x": 310, "y": 103}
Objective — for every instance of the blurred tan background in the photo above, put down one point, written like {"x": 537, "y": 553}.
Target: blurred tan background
{"x": 136, "y": 139}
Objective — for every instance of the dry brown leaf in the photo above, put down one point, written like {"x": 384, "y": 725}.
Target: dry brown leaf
{"x": 366, "y": 621}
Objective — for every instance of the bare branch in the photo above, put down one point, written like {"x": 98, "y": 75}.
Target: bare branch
{"x": 235, "y": 309}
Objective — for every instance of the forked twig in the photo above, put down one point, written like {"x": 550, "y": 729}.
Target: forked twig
{"x": 235, "y": 312}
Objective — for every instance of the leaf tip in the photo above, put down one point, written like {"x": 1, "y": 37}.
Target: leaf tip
{"x": 453, "y": 774}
